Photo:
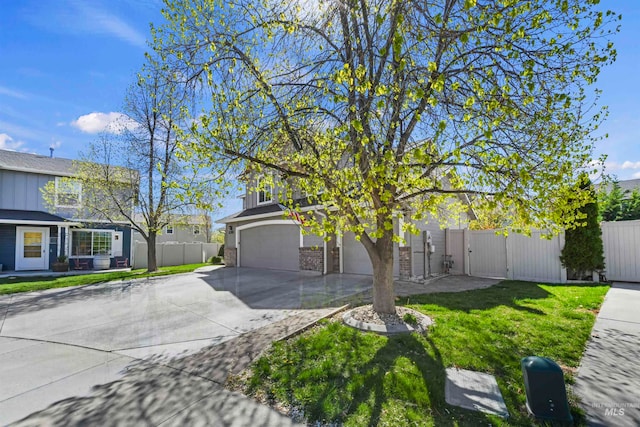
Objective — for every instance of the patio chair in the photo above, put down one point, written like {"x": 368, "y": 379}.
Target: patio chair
{"x": 80, "y": 264}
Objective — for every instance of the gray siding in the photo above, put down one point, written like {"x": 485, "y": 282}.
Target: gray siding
{"x": 21, "y": 190}
{"x": 416, "y": 243}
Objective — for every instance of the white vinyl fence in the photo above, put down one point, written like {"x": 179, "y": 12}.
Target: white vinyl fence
{"x": 174, "y": 253}
{"x": 621, "y": 241}
{"x": 485, "y": 254}
{"x": 515, "y": 257}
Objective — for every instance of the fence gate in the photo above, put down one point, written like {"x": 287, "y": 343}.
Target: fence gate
{"x": 488, "y": 254}
{"x": 621, "y": 240}
{"x": 455, "y": 246}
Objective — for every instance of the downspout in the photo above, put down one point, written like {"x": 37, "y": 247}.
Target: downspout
{"x": 324, "y": 246}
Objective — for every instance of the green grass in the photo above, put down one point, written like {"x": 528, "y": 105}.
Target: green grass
{"x": 38, "y": 283}
{"x": 338, "y": 374}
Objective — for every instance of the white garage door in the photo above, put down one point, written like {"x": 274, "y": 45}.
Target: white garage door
{"x": 270, "y": 246}
{"x": 355, "y": 258}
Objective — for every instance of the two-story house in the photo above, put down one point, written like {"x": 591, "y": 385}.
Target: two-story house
{"x": 32, "y": 236}
{"x": 266, "y": 235}
{"x": 182, "y": 228}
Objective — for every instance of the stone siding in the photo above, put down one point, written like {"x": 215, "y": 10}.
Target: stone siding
{"x": 405, "y": 262}
{"x": 311, "y": 259}
{"x": 230, "y": 256}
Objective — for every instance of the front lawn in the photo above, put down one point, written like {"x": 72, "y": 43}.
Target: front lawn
{"x": 16, "y": 284}
{"x": 337, "y": 374}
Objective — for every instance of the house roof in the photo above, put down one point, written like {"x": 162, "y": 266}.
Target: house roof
{"x": 26, "y": 162}
{"x": 14, "y": 216}
{"x": 626, "y": 186}
{"x": 264, "y": 210}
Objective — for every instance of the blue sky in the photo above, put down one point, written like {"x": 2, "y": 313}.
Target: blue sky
{"x": 65, "y": 66}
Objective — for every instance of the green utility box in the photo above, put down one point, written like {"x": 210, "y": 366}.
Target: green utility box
{"x": 546, "y": 393}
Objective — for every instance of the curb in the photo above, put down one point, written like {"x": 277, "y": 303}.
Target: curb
{"x": 311, "y": 324}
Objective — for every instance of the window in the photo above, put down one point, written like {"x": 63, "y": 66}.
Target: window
{"x": 168, "y": 229}
{"x": 265, "y": 194}
{"x": 68, "y": 193}
{"x": 91, "y": 242}
{"x": 196, "y": 230}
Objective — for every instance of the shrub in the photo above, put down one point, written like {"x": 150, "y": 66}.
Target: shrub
{"x": 583, "y": 251}
{"x": 410, "y": 319}
{"x": 215, "y": 260}
{"x": 221, "y": 251}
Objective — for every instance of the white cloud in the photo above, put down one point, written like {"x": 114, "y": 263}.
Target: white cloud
{"x": 81, "y": 17}
{"x": 7, "y": 143}
{"x": 616, "y": 166}
{"x": 630, "y": 165}
{"x": 112, "y": 122}
{"x": 12, "y": 93}
{"x": 636, "y": 175}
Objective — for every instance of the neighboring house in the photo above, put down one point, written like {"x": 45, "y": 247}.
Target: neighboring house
{"x": 31, "y": 237}
{"x": 626, "y": 186}
{"x": 183, "y": 229}
{"x": 265, "y": 235}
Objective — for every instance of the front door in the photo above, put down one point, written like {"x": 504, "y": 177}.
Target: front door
{"x": 32, "y": 248}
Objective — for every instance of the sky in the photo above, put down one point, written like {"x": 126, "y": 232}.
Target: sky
{"x": 65, "y": 66}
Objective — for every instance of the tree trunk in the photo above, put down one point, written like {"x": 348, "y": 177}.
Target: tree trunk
{"x": 383, "y": 289}
{"x": 152, "y": 264}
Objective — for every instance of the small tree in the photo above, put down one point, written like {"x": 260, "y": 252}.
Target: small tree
{"x": 583, "y": 251}
{"x": 611, "y": 203}
{"x": 133, "y": 173}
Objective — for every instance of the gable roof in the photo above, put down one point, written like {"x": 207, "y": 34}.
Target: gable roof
{"x": 34, "y": 163}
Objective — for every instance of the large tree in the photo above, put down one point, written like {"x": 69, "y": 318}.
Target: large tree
{"x": 389, "y": 106}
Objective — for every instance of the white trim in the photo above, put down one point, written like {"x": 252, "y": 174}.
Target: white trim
{"x": 230, "y": 219}
{"x": 266, "y": 202}
{"x": 39, "y": 171}
{"x": 100, "y": 221}
{"x": 341, "y": 253}
{"x": 72, "y": 182}
{"x": 20, "y": 245}
{"x": 59, "y": 240}
{"x": 258, "y": 224}
{"x": 91, "y": 230}
{"x": 29, "y": 222}
{"x": 324, "y": 245}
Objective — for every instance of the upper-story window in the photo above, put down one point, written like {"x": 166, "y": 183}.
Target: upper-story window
{"x": 168, "y": 229}
{"x": 265, "y": 194}
{"x": 196, "y": 230}
{"x": 68, "y": 193}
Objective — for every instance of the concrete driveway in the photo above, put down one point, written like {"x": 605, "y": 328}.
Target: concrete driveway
{"x": 152, "y": 351}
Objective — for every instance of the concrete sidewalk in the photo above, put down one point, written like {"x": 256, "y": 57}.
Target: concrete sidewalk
{"x": 608, "y": 380}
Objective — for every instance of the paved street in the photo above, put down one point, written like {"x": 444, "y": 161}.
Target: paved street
{"x": 152, "y": 351}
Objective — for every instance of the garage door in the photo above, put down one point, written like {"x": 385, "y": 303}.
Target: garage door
{"x": 270, "y": 246}
{"x": 355, "y": 258}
